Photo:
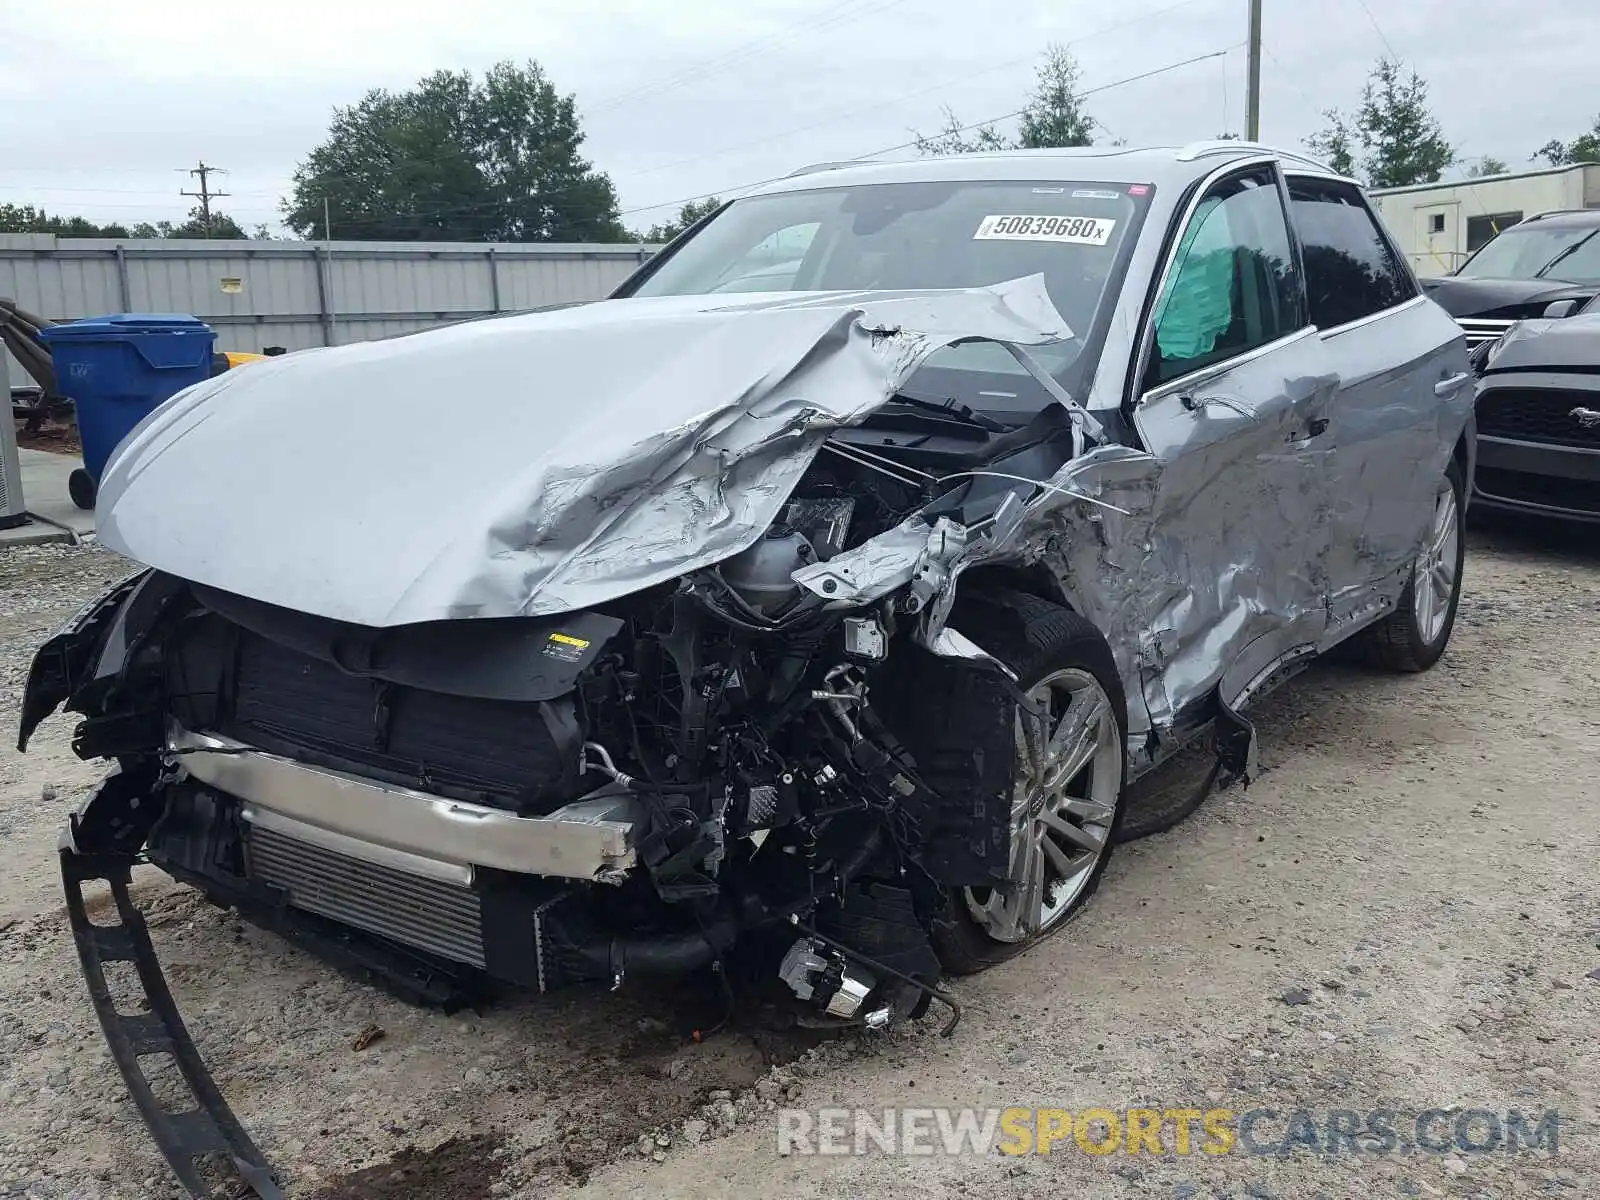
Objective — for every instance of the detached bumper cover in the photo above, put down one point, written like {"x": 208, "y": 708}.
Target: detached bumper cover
{"x": 67, "y": 661}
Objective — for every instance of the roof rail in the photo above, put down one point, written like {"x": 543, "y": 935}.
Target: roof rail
{"x": 1560, "y": 212}
{"x": 824, "y": 166}
{"x": 1202, "y": 149}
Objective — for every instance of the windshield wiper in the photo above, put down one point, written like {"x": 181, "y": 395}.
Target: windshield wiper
{"x": 950, "y": 408}
{"x": 1543, "y": 271}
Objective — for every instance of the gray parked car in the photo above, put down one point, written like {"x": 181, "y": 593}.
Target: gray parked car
{"x": 834, "y": 617}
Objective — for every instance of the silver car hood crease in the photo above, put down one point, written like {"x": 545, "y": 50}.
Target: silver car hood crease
{"x": 525, "y": 465}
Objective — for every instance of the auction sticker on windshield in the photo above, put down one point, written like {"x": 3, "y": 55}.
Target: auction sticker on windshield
{"x": 1083, "y": 231}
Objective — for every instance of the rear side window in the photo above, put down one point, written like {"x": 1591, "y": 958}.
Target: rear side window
{"x": 1233, "y": 285}
{"x": 1351, "y": 272}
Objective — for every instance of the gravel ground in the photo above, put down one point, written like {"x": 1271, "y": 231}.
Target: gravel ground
{"x": 1401, "y": 913}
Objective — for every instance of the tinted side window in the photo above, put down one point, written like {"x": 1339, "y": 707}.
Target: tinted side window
{"x": 1233, "y": 285}
{"x": 1350, "y": 270}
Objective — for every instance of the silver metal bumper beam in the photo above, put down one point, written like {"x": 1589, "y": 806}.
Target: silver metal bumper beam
{"x": 591, "y": 838}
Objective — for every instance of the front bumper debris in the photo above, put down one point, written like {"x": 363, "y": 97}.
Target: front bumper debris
{"x": 591, "y": 838}
{"x": 187, "y": 1138}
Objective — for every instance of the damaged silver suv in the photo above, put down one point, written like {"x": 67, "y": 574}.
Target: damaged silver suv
{"x": 822, "y": 591}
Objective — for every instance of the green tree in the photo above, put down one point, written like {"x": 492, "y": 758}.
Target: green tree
{"x": 25, "y": 218}
{"x": 1333, "y": 141}
{"x": 1487, "y": 165}
{"x": 457, "y": 159}
{"x": 1585, "y": 148}
{"x": 956, "y": 138}
{"x": 687, "y": 216}
{"x": 1053, "y": 116}
{"x": 221, "y": 226}
{"x": 1400, "y": 140}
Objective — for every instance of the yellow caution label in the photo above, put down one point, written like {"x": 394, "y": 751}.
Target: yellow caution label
{"x": 567, "y": 639}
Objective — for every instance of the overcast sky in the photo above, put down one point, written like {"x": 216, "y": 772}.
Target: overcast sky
{"x": 105, "y": 105}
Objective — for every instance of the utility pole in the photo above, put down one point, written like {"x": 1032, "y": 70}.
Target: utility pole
{"x": 205, "y": 195}
{"x": 327, "y": 261}
{"x": 1252, "y": 101}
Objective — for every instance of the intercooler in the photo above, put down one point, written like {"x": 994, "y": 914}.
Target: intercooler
{"x": 438, "y": 915}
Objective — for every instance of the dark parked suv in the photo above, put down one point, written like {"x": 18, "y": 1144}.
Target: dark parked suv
{"x": 1546, "y": 266}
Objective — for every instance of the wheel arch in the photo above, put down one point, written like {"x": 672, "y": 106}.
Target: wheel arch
{"x": 1032, "y": 580}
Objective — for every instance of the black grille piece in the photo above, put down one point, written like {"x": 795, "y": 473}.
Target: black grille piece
{"x": 1538, "y": 415}
{"x": 511, "y": 754}
{"x": 1552, "y": 491}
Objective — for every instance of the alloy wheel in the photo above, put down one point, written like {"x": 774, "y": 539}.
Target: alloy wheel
{"x": 1434, "y": 578}
{"x": 1069, "y": 759}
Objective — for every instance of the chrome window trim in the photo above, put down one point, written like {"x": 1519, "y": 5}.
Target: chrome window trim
{"x": 1212, "y": 370}
{"x": 1371, "y": 318}
{"x": 1147, "y": 335}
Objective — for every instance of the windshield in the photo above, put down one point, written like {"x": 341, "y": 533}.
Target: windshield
{"x": 928, "y": 235}
{"x": 1569, "y": 254}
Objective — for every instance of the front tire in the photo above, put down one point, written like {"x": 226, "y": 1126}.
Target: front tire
{"x": 1414, "y": 636}
{"x": 1068, "y": 764}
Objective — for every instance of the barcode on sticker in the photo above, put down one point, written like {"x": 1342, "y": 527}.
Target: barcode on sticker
{"x": 1084, "y": 231}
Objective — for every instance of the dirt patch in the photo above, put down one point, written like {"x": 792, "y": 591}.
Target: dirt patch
{"x": 460, "y": 1168}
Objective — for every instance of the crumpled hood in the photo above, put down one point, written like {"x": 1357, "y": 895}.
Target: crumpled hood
{"x": 527, "y": 464}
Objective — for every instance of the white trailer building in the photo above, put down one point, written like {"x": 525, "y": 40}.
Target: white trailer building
{"x": 1439, "y": 224}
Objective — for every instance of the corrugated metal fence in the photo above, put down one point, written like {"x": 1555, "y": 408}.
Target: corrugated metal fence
{"x": 301, "y": 294}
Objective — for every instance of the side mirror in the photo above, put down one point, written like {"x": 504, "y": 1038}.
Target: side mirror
{"x": 1562, "y": 308}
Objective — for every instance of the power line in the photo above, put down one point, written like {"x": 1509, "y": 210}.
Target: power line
{"x": 849, "y": 114}
{"x": 1288, "y": 78}
{"x": 1383, "y": 37}
{"x": 906, "y": 145}
{"x": 1081, "y": 95}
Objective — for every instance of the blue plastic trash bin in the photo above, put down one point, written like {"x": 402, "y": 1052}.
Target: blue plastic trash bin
{"x": 117, "y": 370}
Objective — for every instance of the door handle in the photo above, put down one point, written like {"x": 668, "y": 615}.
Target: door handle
{"x": 1452, "y": 385}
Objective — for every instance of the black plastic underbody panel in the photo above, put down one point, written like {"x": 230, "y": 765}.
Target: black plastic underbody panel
{"x": 187, "y": 1138}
